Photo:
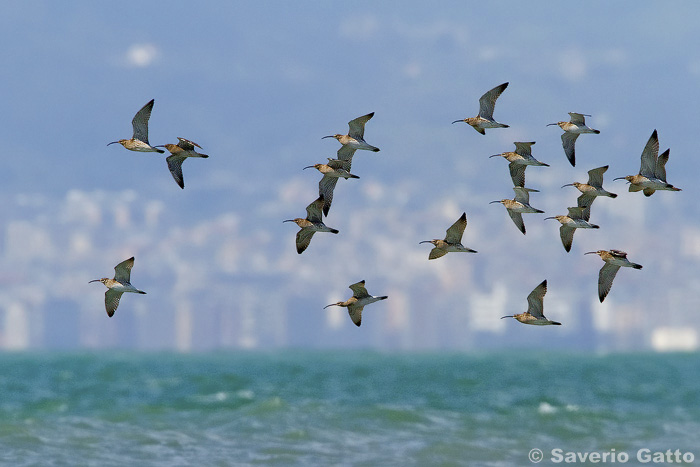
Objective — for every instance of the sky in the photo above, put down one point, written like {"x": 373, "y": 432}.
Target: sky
{"x": 257, "y": 85}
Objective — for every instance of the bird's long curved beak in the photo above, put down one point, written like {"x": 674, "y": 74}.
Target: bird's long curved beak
{"x": 332, "y": 304}
{"x": 309, "y": 167}
{"x": 568, "y": 184}
{"x": 549, "y": 218}
{"x": 509, "y": 316}
{"x": 457, "y": 121}
{"x": 495, "y": 155}
{"x": 288, "y": 220}
{"x": 494, "y": 202}
{"x": 329, "y": 136}
{"x": 425, "y": 241}
{"x": 96, "y": 280}
{"x": 591, "y": 252}
{"x": 113, "y": 142}
{"x": 620, "y": 178}
{"x": 550, "y": 124}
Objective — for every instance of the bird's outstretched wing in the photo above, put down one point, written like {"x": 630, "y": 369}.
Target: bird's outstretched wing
{"x": 175, "y": 166}
{"x": 522, "y": 194}
{"x": 524, "y": 149}
{"x": 660, "y": 169}
{"x": 187, "y": 145}
{"x": 436, "y": 253}
{"x": 487, "y": 102}
{"x": 122, "y": 271}
{"x": 568, "y": 140}
{"x": 517, "y": 174}
{"x": 140, "y": 122}
{"x": 355, "y": 313}
{"x": 357, "y": 126}
{"x": 577, "y": 118}
{"x": 517, "y": 220}
{"x": 580, "y": 212}
{"x": 595, "y": 176}
{"x": 649, "y": 156}
{"x": 567, "y": 236}
{"x": 313, "y": 210}
{"x": 605, "y": 279}
{"x": 456, "y": 230}
{"x": 112, "y": 301}
{"x": 535, "y": 301}
{"x": 359, "y": 290}
{"x": 304, "y": 239}
{"x": 325, "y": 189}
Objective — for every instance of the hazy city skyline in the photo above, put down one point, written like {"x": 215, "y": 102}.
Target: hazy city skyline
{"x": 257, "y": 86}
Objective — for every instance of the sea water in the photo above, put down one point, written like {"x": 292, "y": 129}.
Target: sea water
{"x": 306, "y": 408}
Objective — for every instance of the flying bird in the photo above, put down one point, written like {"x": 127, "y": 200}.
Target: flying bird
{"x": 452, "y": 241}
{"x": 332, "y": 171}
{"x": 572, "y": 130}
{"x": 355, "y": 137}
{"x": 519, "y": 160}
{"x": 614, "y": 260}
{"x": 312, "y": 224}
{"x": 535, "y": 306}
{"x": 139, "y": 142}
{"x": 593, "y": 188}
{"x": 355, "y": 304}
{"x": 519, "y": 205}
{"x": 577, "y": 219}
{"x": 178, "y": 153}
{"x": 652, "y": 173}
{"x": 118, "y": 285}
{"x": 485, "y": 120}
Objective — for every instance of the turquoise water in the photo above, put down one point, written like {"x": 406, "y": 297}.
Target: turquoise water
{"x": 342, "y": 408}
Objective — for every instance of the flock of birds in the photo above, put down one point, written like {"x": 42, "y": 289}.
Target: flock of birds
{"x": 651, "y": 177}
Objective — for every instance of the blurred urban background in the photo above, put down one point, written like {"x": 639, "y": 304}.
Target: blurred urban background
{"x": 257, "y": 84}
